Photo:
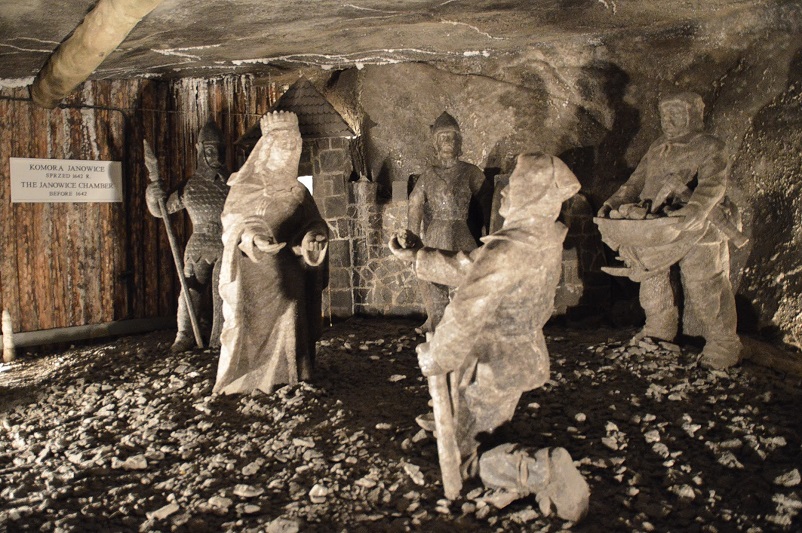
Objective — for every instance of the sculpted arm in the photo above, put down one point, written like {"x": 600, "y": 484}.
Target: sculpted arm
{"x": 712, "y": 179}
{"x": 474, "y": 304}
{"x": 416, "y": 204}
{"x": 711, "y": 186}
{"x": 630, "y": 191}
{"x": 439, "y": 266}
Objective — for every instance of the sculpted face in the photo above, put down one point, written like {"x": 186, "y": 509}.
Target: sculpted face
{"x": 212, "y": 155}
{"x": 279, "y": 151}
{"x": 674, "y": 119}
{"x": 447, "y": 145}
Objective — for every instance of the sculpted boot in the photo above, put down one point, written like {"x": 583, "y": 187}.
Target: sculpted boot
{"x": 550, "y": 475}
{"x": 720, "y": 354}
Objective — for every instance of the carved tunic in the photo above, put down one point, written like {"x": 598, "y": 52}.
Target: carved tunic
{"x": 204, "y": 200}
{"x": 696, "y": 157}
{"x": 445, "y": 196}
{"x": 494, "y": 323}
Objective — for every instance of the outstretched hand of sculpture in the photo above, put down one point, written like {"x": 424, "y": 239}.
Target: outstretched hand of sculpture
{"x": 313, "y": 248}
{"x": 405, "y": 245}
{"x": 257, "y": 241}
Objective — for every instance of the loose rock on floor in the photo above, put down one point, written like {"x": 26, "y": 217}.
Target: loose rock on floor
{"x": 122, "y": 435}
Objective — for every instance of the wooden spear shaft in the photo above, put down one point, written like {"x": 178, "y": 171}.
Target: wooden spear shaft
{"x": 153, "y": 175}
{"x": 447, "y": 448}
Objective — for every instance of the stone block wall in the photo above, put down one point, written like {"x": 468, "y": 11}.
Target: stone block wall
{"x": 366, "y": 279}
{"x": 383, "y": 285}
{"x": 331, "y": 167}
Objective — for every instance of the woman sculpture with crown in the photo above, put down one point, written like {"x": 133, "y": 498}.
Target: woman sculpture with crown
{"x": 274, "y": 267}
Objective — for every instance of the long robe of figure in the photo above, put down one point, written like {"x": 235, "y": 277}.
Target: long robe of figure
{"x": 492, "y": 331}
{"x": 272, "y": 277}
{"x": 491, "y": 334}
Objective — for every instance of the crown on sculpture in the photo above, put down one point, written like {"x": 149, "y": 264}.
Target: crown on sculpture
{"x": 278, "y": 120}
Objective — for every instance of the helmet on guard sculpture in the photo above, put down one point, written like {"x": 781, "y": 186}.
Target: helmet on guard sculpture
{"x": 210, "y": 133}
{"x": 445, "y": 122}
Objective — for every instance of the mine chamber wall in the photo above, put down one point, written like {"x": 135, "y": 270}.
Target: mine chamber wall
{"x": 594, "y": 106}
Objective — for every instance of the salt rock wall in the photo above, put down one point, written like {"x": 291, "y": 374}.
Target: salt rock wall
{"x": 498, "y": 120}
{"x": 769, "y": 170}
{"x": 594, "y": 104}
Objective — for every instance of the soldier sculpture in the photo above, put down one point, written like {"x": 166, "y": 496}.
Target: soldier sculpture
{"x": 203, "y": 196}
{"x": 439, "y": 207}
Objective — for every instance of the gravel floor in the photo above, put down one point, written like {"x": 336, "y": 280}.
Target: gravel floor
{"x": 121, "y": 435}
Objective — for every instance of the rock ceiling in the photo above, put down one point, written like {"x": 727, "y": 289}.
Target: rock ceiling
{"x": 194, "y": 38}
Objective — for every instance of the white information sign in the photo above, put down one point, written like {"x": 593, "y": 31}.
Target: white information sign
{"x": 65, "y": 180}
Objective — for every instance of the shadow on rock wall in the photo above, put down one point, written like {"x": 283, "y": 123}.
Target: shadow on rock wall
{"x": 769, "y": 170}
{"x": 610, "y": 167}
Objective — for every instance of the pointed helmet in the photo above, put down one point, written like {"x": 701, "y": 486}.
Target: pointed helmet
{"x": 445, "y": 122}
{"x": 210, "y": 133}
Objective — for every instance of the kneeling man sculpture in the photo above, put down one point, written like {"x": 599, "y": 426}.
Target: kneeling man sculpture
{"x": 490, "y": 341}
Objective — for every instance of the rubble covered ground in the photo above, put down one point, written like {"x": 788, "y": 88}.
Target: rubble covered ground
{"x": 122, "y": 435}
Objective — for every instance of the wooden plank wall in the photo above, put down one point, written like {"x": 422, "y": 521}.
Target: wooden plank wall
{"x": 70, "y": 264}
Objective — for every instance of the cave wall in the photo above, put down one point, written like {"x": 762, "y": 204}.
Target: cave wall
{"x": 595, "y": 105}
{"x": 768, "y": 169}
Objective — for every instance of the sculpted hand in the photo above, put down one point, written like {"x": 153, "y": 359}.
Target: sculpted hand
{"x": 314, "y": 242}
{"x": 155, "y": 191}
{"x": 694, "y": 217}
{"x": 313, "y": 248}
{"x": 257, "y": 245}
{"x": 604, "y": 212}
{"x": 405, "y": 246}
{"x": 155, "y": 198}
{"x": 426, "y": 361}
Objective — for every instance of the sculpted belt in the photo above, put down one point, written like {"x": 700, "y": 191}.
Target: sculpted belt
{"x": 211, "y": 228}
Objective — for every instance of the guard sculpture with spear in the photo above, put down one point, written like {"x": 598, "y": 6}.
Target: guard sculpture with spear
{"x": 203, "y": 196}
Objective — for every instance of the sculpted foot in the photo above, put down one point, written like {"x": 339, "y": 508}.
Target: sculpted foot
{"x": 567, "y": 490}
{"x": 720, "y": 354}
{"x": 182, "y": 343}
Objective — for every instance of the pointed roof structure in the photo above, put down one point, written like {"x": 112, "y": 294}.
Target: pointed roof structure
{"x": 317, "y": 118}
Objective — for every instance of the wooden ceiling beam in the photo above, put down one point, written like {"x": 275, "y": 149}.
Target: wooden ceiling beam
{"x": 99, "y": 34}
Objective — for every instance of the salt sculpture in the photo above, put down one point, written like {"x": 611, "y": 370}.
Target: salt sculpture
{"x": 490, "y": 341}
{"x": 203, "y": 196}
{"x": 274, "y": 267}
{"x": 674, "y": 210}
{"x": 439, "y": 207}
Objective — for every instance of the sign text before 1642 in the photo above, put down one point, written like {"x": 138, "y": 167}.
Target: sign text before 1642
{"x": 65, "y": 180}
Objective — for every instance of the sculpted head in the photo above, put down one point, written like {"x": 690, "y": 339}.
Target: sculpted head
{"x": 538, "y": 187}
{"x": 281, "y": 149}
{"x": 210, "y": 149}
{"x": 447, "y": 139}
{"x": 681, "y": 114}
